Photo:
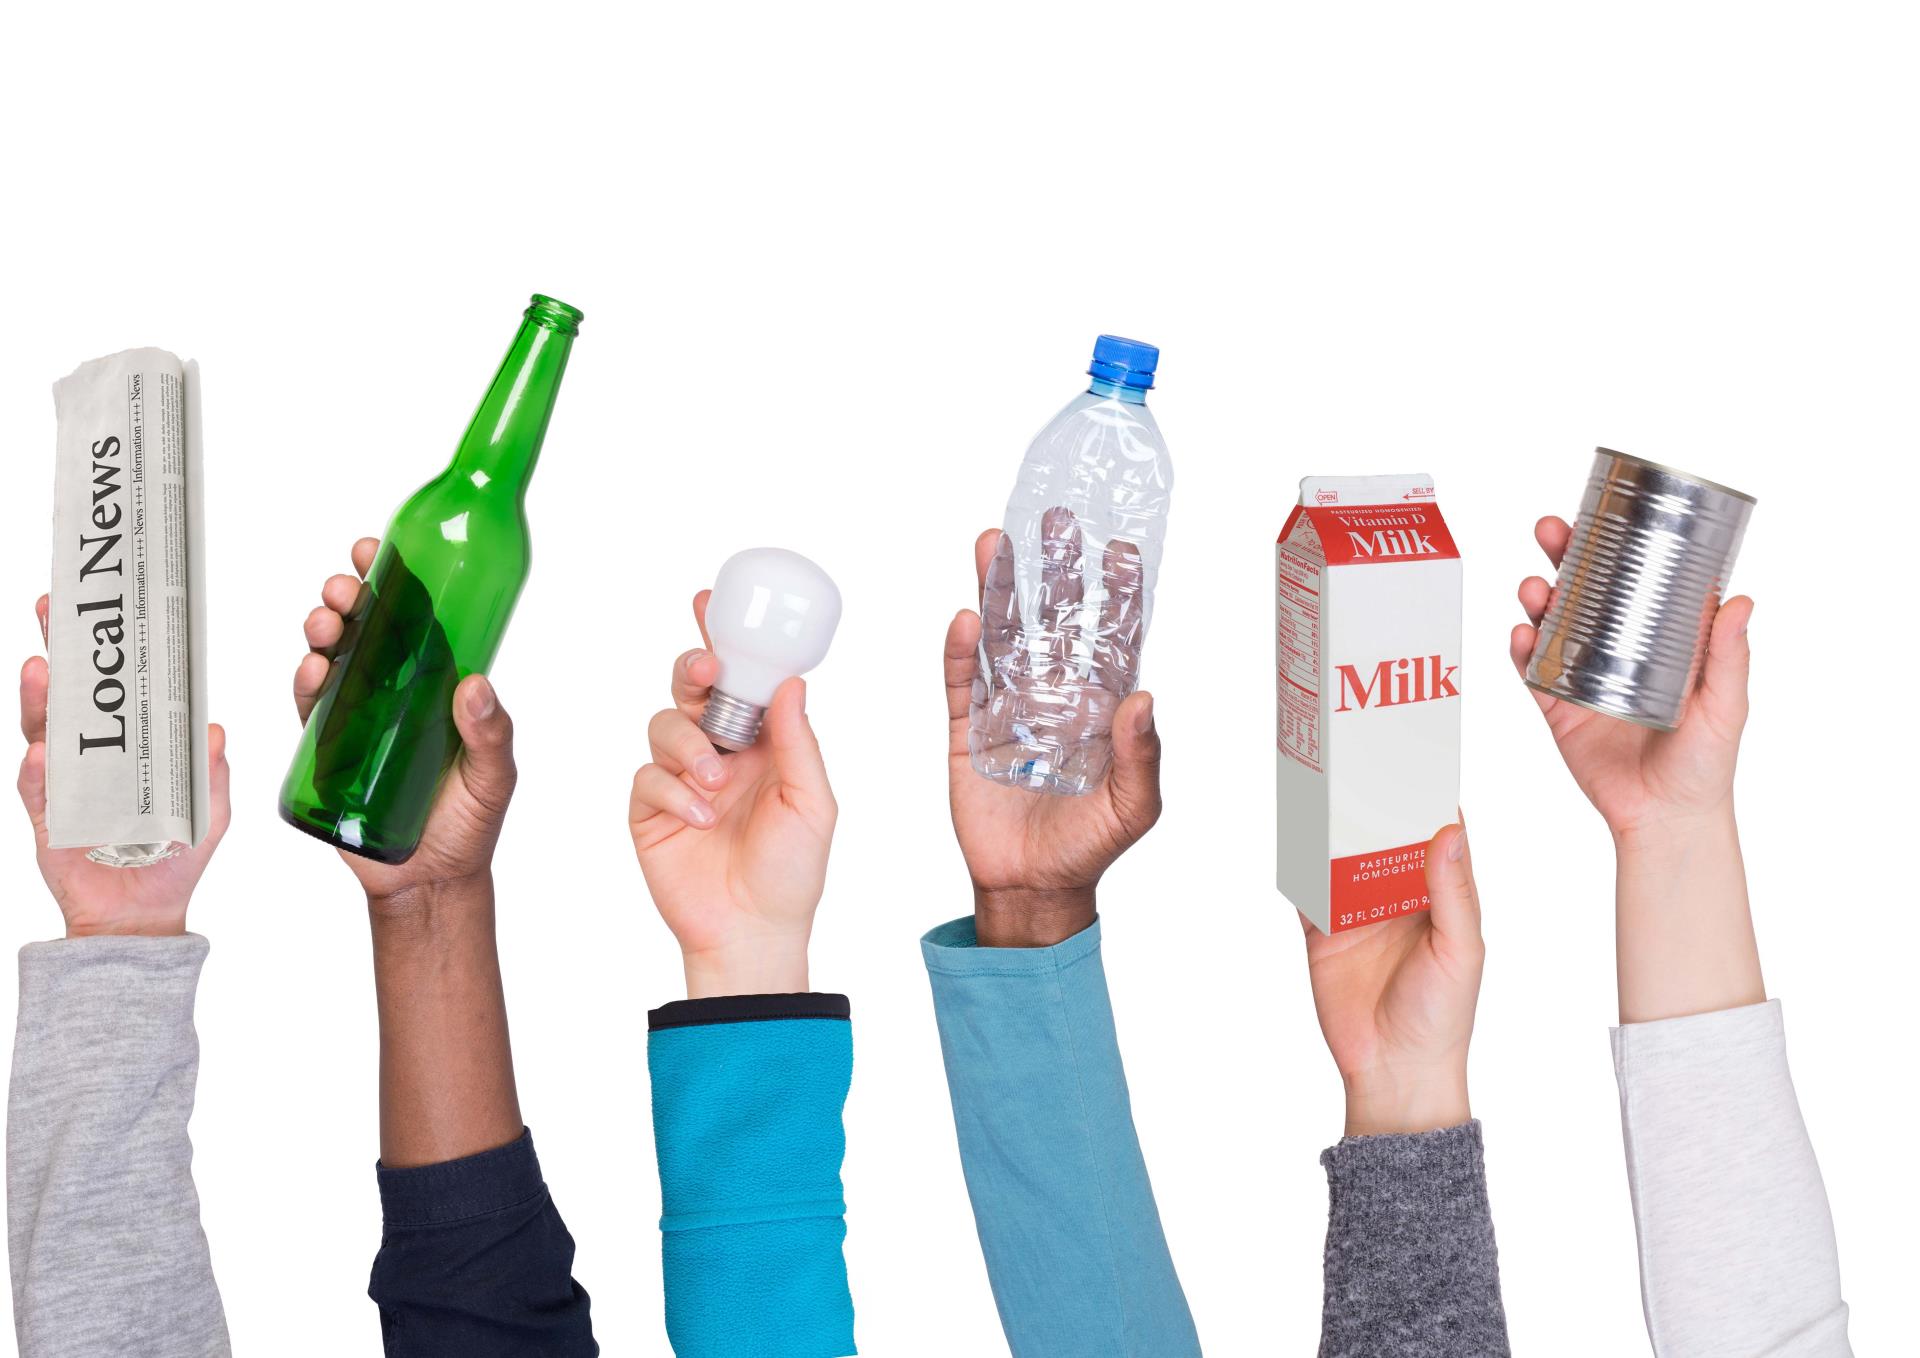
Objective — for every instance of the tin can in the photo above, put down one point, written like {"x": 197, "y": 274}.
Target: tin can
{"x": 1627, "y": 626}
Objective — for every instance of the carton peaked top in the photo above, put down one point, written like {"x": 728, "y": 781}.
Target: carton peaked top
{"x": 1361, "y": 520}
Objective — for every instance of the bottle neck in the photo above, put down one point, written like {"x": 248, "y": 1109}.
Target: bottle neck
{"x": 1133, "y": 396}
{"x": 503, "y": 441}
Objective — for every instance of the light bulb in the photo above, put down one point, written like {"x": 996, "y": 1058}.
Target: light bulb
{"x": 771, "y": 616}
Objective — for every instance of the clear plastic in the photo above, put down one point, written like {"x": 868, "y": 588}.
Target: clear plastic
{"x": 1069, "y": 594}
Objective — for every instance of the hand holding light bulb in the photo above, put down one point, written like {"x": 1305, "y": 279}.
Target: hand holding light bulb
{"x": 734, "y": 845}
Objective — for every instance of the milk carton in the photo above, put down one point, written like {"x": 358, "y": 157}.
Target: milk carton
{"x": 1367, "y": 621}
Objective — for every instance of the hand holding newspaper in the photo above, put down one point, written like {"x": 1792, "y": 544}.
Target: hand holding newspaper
{"x": 126, "y": 630}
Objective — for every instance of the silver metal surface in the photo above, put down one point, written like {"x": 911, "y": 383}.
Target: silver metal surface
{"x": 1627, "y": 625}
{"x": 730, "y": 723}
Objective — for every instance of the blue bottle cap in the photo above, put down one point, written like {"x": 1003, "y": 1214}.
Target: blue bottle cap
{"x": 1126, "y": 362}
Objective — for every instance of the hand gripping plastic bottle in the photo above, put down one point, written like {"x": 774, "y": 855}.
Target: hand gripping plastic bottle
{"x": 1070, "y": 590}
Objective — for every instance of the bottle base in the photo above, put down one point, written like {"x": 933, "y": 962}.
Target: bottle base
{"x": 393, "y": 857}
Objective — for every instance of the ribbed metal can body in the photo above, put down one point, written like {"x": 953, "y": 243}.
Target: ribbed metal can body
{"x": 1627, "y": 625}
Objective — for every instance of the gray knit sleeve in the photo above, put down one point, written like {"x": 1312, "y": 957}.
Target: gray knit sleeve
{"x": 103, "y": 1223}
{"x": 1410, "y": 1265}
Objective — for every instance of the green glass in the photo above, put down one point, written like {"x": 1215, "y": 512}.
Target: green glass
{"x": 432, "y": 611}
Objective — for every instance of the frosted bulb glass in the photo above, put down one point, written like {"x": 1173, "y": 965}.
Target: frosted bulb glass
{"x": 771, "y": 616}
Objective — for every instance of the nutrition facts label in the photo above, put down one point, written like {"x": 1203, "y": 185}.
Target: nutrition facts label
{"x": 1297, "y": 651}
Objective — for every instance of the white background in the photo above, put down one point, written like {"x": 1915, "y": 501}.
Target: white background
{"x": 838, "y": 266}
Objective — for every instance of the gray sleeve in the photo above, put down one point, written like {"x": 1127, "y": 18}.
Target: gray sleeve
{"x": 1737, "y": 1253}
{"x": 1411, "y": 1270}
{"x": 103, "y": 1223}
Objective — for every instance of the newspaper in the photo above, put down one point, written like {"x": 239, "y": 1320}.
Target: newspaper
{"x": 126, "y": 627}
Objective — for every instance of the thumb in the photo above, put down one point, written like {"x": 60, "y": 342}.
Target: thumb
{"x": 1454, "y": 900}
{"x": 1723, "y": 676}
{"x": 486, "y": 731}
{"x": 1134, "y": 782}
{"x": 790, "y": 740}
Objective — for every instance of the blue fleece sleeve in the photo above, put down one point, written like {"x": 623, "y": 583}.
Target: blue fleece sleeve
{"x": 1075, "y": 1253}
{"x": 747, "y": 1098}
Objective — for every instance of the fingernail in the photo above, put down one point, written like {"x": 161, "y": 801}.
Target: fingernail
{"x": 692, "y": 656}
{"x": 710, "y": 769}
{"x": 482, "y": 702}
{"x": 1457, "y": 847}
{"x": 1145, "y": 722}
{"x": 700, "y": 813}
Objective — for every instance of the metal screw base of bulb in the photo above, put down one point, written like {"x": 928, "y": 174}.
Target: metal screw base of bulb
{"x": 730, "y": 723}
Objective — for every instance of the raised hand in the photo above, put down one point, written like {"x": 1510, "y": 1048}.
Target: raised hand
{"x": 1635, "y": 776}
{"x": 472, "y": 800}
{"x": 734, "y": 845}
{"x": 94, "y": 898}
{"x": 1396, "y": 1001}
{"x": 1036, "y": 859}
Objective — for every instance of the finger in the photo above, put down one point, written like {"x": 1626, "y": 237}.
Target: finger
{"x": 1535, "y": 594}
{"x": 1553, "y": 533}
{"x": 364, "y": 552}
{"x": 1454, "y": 900}
{"x": 682, "y": 748}
{"x": 1520, "y": 644}
{"x": 323, "y": 629}
{"x": 219, "y": 787}
{"x": 341, "y": 593}
{"x": 33, "y": 789}
{"x": 1062, "y": 589}
{"x": 1116, "y": 649}
{"x": 999, "y": 604}
{"x": 1134, "y": 780}
{"x": 961, "y": 661}
{"x": 657, "y": 791}
{"x": 1723, "y": 675}
{"x": 309, "y": 677}
{"x": 41, "y": 608}
{"x": 984, "y": 548}
{"x": 486, "y": 737}
{"x": 693, "y": 674}
{"x": 795, "y": 750}
{"x": 700, "y": 602}
{"x": 33, "y": 699}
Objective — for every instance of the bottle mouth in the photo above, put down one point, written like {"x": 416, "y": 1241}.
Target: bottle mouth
{"x": 555, "y": 314}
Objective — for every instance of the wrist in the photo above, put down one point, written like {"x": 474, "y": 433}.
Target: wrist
{"x": 426, "y": 913}
{"x": 171, "y": 927}
{"x": 1390, "y": 1101}
{"x": 776, "y": 966}
{"x": 1664, "y": 831}
{"x": 1019, "y": 917}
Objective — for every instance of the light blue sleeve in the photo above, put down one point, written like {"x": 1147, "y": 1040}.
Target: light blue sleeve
{"x": 747, "y": 1100}
{"x": 1074, "y": 1249}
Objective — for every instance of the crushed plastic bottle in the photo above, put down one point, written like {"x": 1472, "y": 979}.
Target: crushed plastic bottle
{"x": 1070, "y": 590}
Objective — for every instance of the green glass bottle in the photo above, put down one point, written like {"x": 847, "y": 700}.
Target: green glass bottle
{"x": 432, "y": 611}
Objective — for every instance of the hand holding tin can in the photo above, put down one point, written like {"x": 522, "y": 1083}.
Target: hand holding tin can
{"x": 1627, "y": 624}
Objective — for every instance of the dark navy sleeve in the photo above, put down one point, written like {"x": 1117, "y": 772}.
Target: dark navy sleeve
{"x": 748, "y": 1092}
{"x": 475, "y": 1262}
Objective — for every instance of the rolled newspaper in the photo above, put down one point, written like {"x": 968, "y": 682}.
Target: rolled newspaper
{"x": 126, "y": 627}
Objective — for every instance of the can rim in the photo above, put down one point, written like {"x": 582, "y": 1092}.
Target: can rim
{"x": 1675, "y": 471}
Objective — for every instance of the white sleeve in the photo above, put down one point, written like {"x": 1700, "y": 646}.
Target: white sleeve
{"x": 1737, "y": 1252}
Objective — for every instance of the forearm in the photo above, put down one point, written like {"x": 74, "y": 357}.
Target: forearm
{"x": 748, "y": 1091}
{"x": 1737, "y": 1251}
{"x": 1411, "y": 1267}
{"x": 1072, "y": 1237}
{"x": 1684, "y": 933}
{"x": 103, "y": 1217}
{"x": 446, "y": 1064}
